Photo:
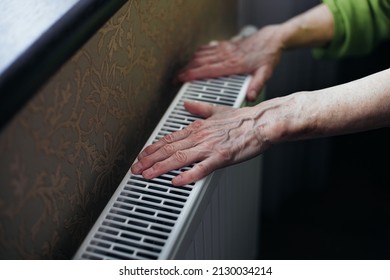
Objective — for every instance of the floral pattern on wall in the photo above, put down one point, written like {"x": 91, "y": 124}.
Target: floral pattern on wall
{"x": 65, "y": 153}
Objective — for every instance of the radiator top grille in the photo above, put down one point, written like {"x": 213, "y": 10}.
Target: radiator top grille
{"x": 143, "y": 216}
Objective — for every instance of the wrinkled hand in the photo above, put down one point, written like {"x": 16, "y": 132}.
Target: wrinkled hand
{"x": 257, "y": 55}
{"x": 226, "y": 137}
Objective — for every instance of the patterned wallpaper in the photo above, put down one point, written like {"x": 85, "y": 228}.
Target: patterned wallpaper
{"x": 67, "y": 150}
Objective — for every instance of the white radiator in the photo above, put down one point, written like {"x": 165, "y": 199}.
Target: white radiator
{"x": 214, "y": 218}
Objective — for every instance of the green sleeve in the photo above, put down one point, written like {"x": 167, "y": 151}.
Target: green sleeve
{"x": 360, "y": 25}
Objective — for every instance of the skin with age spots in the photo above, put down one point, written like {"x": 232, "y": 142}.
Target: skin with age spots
{"x": 214, "y": 143}
{"x": 228, "y": 136}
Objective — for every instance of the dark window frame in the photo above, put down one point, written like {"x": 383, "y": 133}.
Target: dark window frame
{"x": 43, "y": 57}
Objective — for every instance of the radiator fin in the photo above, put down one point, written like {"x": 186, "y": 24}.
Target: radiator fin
{"x": 143, "y": 217}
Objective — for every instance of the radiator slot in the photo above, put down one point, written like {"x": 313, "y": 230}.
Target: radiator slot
{"x": 148, "y": 219}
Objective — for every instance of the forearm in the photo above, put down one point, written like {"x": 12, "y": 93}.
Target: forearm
{"x": 356, "y": 106}
{"x": 313, "y": 28}
{"x": 227, "y": 136}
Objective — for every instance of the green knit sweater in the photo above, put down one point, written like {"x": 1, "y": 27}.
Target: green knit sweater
{"x": 360, "y": 25}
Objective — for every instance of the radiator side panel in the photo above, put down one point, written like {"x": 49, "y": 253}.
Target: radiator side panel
{"x": 230, "y": 225}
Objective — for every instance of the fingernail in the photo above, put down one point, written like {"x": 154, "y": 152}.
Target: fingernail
{"x": 136, "y": 168}
{"x": 176, "y": 181}
{"x": 142, "y": 154}
{"x": 148, "y": 174}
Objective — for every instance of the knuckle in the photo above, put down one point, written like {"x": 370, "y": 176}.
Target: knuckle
{"x": 203, "y": 169}
{"x": 226, "y": 46}
{"x": 196, "y": 125}
{"x": 157, "y": 166}
{"x": 225, "y": 154}
{"x": 184, "y": 132}
{"x": 181, "y": 156}
{"x": 233, "y": 61}
{"x": 169, "y": 138}
{"x": 144, "y": 162}
{"x": 201, "y": 135}
{"x": 169, "y": 149}
{"x": 149, "y": 149}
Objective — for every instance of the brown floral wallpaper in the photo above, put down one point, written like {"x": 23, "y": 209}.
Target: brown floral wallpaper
{"x": 65, "y": 153}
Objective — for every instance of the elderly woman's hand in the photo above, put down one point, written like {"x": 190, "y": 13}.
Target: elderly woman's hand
{"x": 257, "y": 55}
{"x": 226, "y": 137}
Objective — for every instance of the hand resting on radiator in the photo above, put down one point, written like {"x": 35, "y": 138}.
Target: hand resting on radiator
{"x": 260, "y": 53}
{"x": 228, "y": 136}
{"x": 257, "y": 55}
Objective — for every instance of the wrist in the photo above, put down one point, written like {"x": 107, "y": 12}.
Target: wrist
{"x": 275, "y": 36}
{"x": 314, "y": 28}
{"x": 287, "y": 118}
{"x": 287, "y": 32}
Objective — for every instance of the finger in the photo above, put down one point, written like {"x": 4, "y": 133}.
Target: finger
{"x": 161, "y": 154}
{"x": 210, "y": 71}
{"x": 204, "y": 60}
{"x": 211, "y": 46}
{"x": 205, "y": 52}
{"x": 202, "y": 109}
{"x": 223, "y": 53}
{"x": 223, "y": 47}
{"x": 258, "y": 80}
{"x": 199, "y": 171}
{"x": 167, "y": 139}
{"x": 178, "y": 160}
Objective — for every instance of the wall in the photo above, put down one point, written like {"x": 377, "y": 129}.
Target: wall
{"x": 64, "y": 154}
